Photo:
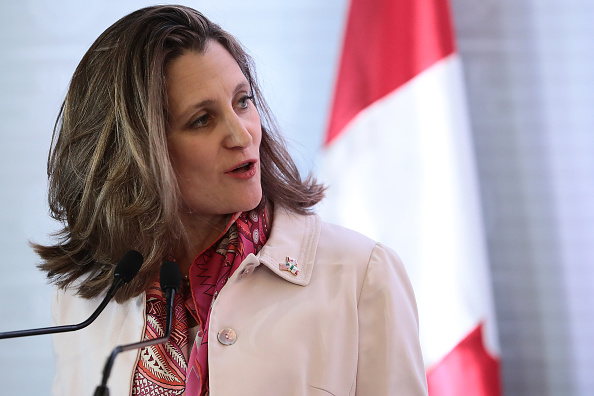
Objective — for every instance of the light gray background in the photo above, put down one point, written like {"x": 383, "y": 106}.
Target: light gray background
{"x": 529, "y": 68}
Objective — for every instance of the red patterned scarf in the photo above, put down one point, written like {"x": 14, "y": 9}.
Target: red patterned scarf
{"x": 172, "y": 368}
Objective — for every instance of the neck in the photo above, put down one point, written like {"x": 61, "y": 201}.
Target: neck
{"x": 201, "y": 232}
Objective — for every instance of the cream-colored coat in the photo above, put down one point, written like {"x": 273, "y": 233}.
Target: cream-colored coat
{"x": 346, "y": 324}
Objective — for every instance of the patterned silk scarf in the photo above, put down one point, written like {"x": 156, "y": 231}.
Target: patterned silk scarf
{"x": 172, "y": 368}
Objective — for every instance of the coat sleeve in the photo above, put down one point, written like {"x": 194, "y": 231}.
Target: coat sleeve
{"x": 79, "y": 356}
{"x": 76, "y": 364}
{"x": 390, "y": 360}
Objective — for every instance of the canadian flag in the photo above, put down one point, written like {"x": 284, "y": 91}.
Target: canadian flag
{"x": 398, "y": 158}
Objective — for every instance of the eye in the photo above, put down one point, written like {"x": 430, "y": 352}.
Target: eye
{"x": 243, "y": 102}
{"x": 201, "y": 121}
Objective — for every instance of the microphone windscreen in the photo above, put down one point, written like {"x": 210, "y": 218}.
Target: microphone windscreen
{"x": 170, "y": 276}
{"x": 128, "y": 266}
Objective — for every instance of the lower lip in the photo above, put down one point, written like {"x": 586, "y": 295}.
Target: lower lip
{"x": 248, "y": 174}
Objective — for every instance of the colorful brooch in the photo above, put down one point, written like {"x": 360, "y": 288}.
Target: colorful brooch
{"x": 290, "y": 265}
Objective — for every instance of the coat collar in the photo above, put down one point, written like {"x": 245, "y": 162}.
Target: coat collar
{"x": 292, "y": 235}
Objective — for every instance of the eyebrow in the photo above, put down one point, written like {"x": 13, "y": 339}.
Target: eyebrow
{"x": 210, "y": 102}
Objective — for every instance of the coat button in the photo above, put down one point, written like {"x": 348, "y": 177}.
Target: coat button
{"x": 227, "y": 336}
{"x": 247, "y": 271}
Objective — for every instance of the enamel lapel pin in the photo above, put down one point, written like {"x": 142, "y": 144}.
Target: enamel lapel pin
{"x": 290, "y": 265}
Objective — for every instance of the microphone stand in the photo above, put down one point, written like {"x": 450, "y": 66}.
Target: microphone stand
{"x": 170, "y": 290}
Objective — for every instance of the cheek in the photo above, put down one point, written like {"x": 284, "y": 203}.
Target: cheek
{"x": 258, "y": 138}
{"x": 186, "y": 159}
{"x": 175, "y": 157}
{"x": 256, "y": 126}
{"x": 257, "y": 132}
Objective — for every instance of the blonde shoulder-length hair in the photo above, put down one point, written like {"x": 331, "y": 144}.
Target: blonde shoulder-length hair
{"x": 111, "y": 182}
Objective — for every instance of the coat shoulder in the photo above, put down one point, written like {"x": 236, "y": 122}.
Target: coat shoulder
{"x": 340, "y": 243}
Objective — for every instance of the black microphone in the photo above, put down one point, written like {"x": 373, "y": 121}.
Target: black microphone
{"x": 170, "y": 280}
{"x": 125, "y": 270}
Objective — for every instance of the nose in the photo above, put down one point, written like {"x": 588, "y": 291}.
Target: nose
{"x": 237, "y": 134}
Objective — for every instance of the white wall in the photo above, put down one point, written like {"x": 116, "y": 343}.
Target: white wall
{"x": 529, "y": 73}
{"x": 530, "y": 80}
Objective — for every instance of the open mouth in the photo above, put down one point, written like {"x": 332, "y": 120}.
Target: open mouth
{"x": 243, "y": 167}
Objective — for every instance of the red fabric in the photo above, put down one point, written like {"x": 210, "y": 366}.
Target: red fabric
{"x": 162, "y": 368}
{"x": 386, "y": 44}
{"x": 467, "y": 370}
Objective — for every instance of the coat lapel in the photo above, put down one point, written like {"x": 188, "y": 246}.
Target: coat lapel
{"x": 295, "y": 237}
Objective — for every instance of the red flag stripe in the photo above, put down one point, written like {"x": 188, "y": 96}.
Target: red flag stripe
{"x": 467, "y": 370}
{"x": 386, "y": 44}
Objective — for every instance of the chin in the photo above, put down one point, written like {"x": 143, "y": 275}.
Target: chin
{"x": 244, "y": 200}
{"x": 252, "y": 202}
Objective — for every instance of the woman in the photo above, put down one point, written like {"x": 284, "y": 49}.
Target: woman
{"x": 165, "y": 145}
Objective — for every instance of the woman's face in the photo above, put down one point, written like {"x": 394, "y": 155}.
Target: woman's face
{"x": 215, "y": 133}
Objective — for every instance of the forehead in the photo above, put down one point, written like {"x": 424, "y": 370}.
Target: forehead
{"x": 215, "y": 67}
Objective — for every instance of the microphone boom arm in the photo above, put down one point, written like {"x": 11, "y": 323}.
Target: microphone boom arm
{"x": 102, "y": 389}
{"x": 124, "y": 272}
{"x": 65, "y": 328}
